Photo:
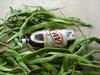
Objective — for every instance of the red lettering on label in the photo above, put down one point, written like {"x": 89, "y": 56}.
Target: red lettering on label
{"x": 57, "y": 37}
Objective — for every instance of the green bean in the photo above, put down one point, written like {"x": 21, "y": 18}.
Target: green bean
{"x": 76, "y": 44}
{"x": 95, "y": 39}
{"x": 3, "y": 73}
{"x": 50, "y": 68}
{"x": 13, "y": 37}
{"x": 3, "y": 35}
{"x": 12, "y": 62}
{"x": 16, "y": 48}
{"x": 92, "y": 52}
{"x": 10, "y": 59}
{"x": 46, "y": 10}
{"x": 19, "y": 59}
{"x": 26, "y": 53}
{"x": 24, "y": 25}
{"x": 3, "y": 44}
{"x": 89, "y": 65}
{"x": 2, "y": 32}
{"x": 77, "y": 20}
{"x": 20, "y": 14}
{"x": 2, "y": 68}
{"x": 34, "y": 67}
{"x": 86, "y": 43}
{"x": 95, "y": 62}
{"x": 67, "y": 23}
{"x": 61, "y": 70}
{"x": 14, "y": 54}
{"x": 73, "y": 57}
{"x": 18, "y": 42}
{"x": 43, "y": 25}
{"x": 83, "y": 46}
{"x": 80, "y": 41}
{"x": 2, "y": 27}
{"x": 92, "y": 39}
{"x": 23, "y": 65}
{"x": 42, "y": 60}
{"x": 44, "y": 73}
{"x": 90, "y": 73}
{"x": 43, "y": 50}
{"x": 20, "y": 71}
{"x": 76, "y": 73}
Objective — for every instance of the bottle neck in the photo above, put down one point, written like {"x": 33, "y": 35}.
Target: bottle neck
{"x": 32, "y": 43}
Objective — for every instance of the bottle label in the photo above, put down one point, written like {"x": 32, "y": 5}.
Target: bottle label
{"x": 57, "y": 38}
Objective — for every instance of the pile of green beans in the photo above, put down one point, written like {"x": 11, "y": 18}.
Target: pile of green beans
{"x": 20, "y": 59}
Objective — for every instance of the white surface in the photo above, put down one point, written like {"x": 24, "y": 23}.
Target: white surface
{"x": 87, "y": 10}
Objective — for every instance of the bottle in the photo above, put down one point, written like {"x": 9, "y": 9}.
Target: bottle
{"x": 50, "y": 38}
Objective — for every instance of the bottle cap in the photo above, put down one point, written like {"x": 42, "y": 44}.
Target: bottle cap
{"x": 25, "y": 40}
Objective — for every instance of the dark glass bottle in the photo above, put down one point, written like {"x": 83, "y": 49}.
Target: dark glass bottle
{"x": 50, "y": 38}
